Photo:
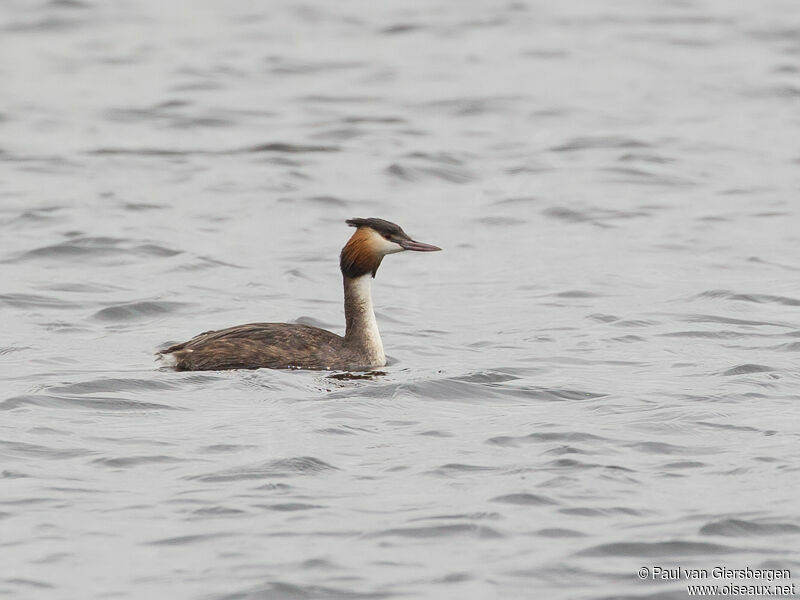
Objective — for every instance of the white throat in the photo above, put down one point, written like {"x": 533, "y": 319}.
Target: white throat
{"x": 362, "y": 328}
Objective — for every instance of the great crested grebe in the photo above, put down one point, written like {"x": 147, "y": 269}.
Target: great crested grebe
{"x": 285, "y": 345}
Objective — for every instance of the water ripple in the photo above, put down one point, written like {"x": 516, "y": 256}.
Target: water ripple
{"x": 286, "y": 467}
{"x": 677, "y": 549}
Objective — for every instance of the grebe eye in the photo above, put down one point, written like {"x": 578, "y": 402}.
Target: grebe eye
{"x": 386, "y": 236}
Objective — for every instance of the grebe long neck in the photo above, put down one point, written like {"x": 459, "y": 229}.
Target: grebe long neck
{"x": 361, "y": 326}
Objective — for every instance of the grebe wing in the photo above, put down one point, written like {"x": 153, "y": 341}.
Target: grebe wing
{"x": 253, "y": 346}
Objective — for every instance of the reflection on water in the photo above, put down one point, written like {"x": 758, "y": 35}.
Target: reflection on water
{"x": 347, "y": 376}
{"x": 598, "y": 374}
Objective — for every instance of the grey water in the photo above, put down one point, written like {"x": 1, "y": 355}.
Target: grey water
{"x": 598, "y": 374}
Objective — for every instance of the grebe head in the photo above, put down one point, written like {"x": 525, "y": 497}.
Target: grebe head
{"x": 372, "y": 240}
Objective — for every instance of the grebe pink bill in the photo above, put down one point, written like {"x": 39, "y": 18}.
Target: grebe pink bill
{"x": 288, "y": 345}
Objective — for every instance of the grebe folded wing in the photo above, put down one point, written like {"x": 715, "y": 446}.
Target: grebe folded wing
{"x": 256, "y": 345}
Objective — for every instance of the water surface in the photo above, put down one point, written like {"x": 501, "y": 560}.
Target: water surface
{"x": 599, "y": 372}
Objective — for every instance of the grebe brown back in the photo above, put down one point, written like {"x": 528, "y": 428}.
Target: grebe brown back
{"x": 285, "y": 345}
